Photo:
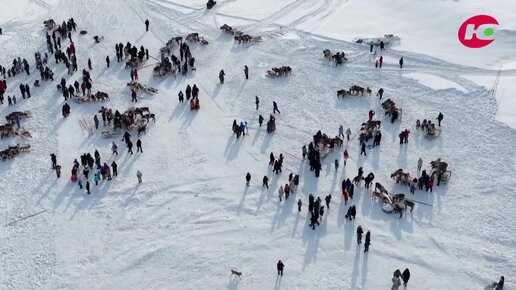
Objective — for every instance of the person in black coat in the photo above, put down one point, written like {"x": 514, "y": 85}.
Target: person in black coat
{"x": 280, "y": 267}
{"x": 271, "y": 159}
{"x": 139, "y": 146}
{"x": 88, "y": 187}
{"x": 53, "y": 157}
{"x": 265, "y": 182}
{"x": 147, "y": 25}
{"x": 328, "y": 200}
{"x": 359, "y": 234}
{"x": 367, "y": 241}
{"x": 247, "y": 178}
{"x": 405, "y": 277}
{"x": 130, "y": 147}
{"x": 115, "y": 168}
{"x": 440, "y": 118}
{"x": 363, "y": 149}
{"x": 188, "y": 92}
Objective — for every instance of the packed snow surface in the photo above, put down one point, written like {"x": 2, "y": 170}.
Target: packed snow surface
{"x": 193, "y": 219}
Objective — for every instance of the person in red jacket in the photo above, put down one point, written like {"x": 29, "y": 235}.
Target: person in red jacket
{"x": 83, "y": 88}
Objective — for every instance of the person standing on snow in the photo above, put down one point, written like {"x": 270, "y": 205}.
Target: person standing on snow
{"x": 265, "y": 182}
{"x": 53, "y": 157}
{"x": 114, "y": 148}
{"x": 405, "y": 276}
{"x": 257, "y": 102}
{"x": 419, "y": 164}
{"x": 499, "y": 285}
{"x": 299, "y": 204}
{"x": 304, "y": 151}
{"x": 133, "y": 96}
{"x": 139, "y": 176}
{"x": 246, "y": 72}
{"x": 382, "y": 45}
{"x": 359, "y": 234}
{"x": 380, "y": 93}
{"x": 130, "y": 147}
{"x": 221, "y": 76}
{"x": 440, "y": 118}
{"x": 367, "y": 241}
{"x": 89, "y": 64}
{"x": 114, "y": 166}
{"x": 260, "y": 120}
{"x": 96, "y": 121}
{"x": 341, "y": 131}
{"x": 87, "y": 187}
{"x": 348, "y": 133}
{"x": 381, "y": 61}
{"x": 396, "y": 282}
{"x": 371, "y": 114}
{"x": 327, "y": 199}
{"x": 363, "y": 149}
{"x": 139, "y": 146}
{"x": 401, "y": 62}
{"x": 275, "y": 107}
{"x": 58, "y": 171}
{"x": 247, "y": 178}
{"x": 181, "y": 97}
{"x": 280, "y": 267}
{"x": 280, "y": 192}
{"x": 147, "y": 25}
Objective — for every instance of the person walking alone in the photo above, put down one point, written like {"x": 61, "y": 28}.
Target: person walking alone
{"x": 247, "y": 179}
{"x": 246, "y": 72}
{"x": 401, "y": 62}
{"x": 139, "y": 176}
{"x": 440, "y": 118}
{"x": 147, "y": 25}
{"x": 257, "y": 102}
{"x": 275, "y": 108}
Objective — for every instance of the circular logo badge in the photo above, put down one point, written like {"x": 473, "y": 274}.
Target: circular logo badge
{"x": 478, "y": 31}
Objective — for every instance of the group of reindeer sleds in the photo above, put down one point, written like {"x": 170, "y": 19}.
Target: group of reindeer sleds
{"x": 354, "y": 90}
{"x": 325, "y": 144}
{"x": 91, "y": 98}
{"x": 9, "y": 130}
{"x": 398, "y": 203}
{"x": 239, "y": 36}
{"x": 428, "y": 128}
{"x": 133, "y": 119}
{"x": 279, "y": 71}
{"x": 339, "y": 57}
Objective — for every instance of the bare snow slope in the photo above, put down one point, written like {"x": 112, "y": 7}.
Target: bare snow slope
{"x": 193, "y": 219}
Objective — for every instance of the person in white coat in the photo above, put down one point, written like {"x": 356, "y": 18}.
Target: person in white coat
{"x": 280, "y": 192}
{"x": 396, "y": 282}
{"x": 139, "y": 175}
{"x": 419, "y": 164}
